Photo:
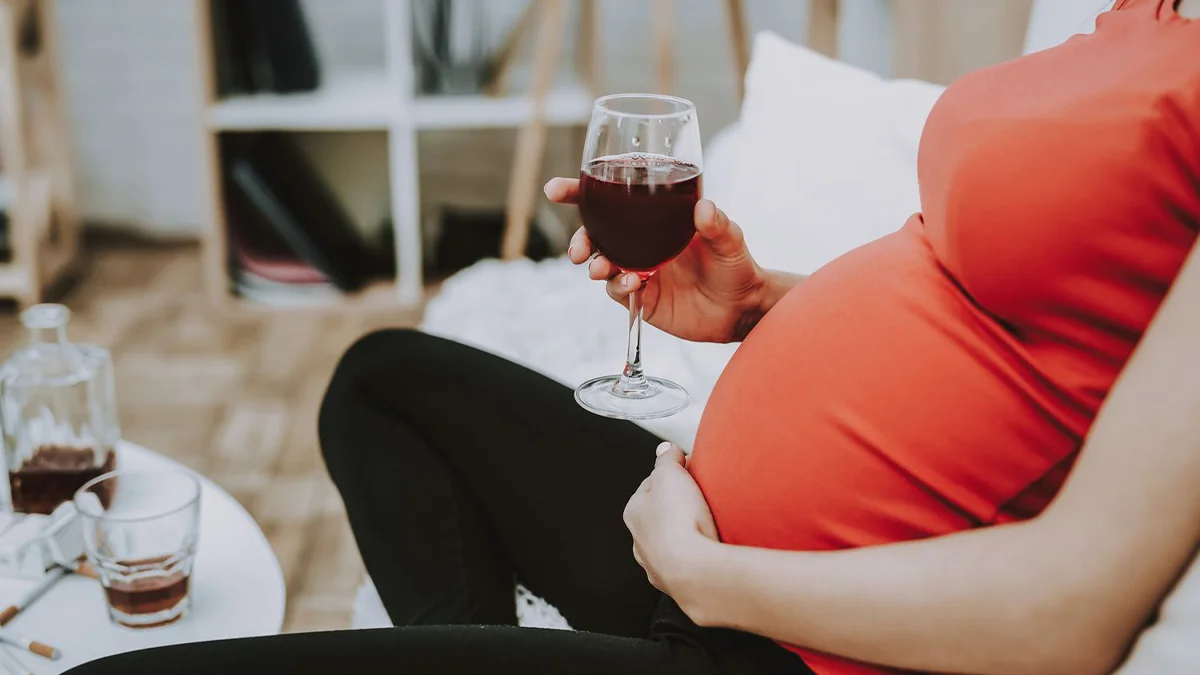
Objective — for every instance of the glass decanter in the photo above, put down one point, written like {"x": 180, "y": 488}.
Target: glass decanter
{"x": 57, "y": 413}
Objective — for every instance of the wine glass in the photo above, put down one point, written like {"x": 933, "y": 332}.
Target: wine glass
{"x": 638, "y": 188}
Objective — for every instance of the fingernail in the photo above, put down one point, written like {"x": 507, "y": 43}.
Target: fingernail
{"x": 630, "y": 280}
{"x": 571, "y": 251}
{"x": 662, "y": 447}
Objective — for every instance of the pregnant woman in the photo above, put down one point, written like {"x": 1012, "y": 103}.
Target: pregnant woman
{"x": 934, "y": 385}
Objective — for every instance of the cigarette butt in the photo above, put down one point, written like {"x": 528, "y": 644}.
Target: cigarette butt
{"x": 8, "y": 613}
{"x": 44, "y": 650}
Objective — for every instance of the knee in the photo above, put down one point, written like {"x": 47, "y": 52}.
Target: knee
{"x": 360, "y": 373}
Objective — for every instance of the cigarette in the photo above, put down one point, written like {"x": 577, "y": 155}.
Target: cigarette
{"x": 53, "y": 575}
{"x": 33, "y": 646}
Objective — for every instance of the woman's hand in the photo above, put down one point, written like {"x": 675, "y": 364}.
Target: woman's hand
{"x": 712, "y": 292}
{"x": 672, "y": 527}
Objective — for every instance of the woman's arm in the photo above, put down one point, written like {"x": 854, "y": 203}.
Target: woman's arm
{"x": 1062, "y": 593}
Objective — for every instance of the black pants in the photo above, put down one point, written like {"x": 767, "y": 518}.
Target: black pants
{"x": 462, "y": 472}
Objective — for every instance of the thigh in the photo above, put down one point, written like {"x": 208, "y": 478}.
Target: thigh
{"x": 416, "y": 650}
{"x": 676, "y": 647}
{"x": 550, "y": 479}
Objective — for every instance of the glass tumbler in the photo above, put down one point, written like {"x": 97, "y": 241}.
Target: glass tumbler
{"x": 140, "y": 529}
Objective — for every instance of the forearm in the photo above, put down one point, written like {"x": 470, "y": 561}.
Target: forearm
{"x": 957, "y": 607}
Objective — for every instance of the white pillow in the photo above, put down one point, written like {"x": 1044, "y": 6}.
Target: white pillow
{"x": 827, "y": 157}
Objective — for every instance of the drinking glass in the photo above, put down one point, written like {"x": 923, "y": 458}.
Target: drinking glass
{"x": 140, "y": 530}
{"x": 638, "y": 188}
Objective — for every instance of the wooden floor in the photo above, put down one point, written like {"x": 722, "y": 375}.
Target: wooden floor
{"x": 235, "y": 398}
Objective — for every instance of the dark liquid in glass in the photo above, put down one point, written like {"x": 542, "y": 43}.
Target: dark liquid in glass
{"x": 147, "y": 595}
{"x": 639, "y": 209}
{"x": 53, "y": 474}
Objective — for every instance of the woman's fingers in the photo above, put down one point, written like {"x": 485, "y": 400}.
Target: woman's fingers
{"x": 580, "y": 248}
{"x": 600, "y": 269}
{"x": 668, "y": 453}
{"x": 723, "y": 235}
{"x": 562, "y": 190}
{"x": 620, "y": 286}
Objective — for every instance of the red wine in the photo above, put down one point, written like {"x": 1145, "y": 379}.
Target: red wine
{"x": 639, "y": 209}
{"x": 53, "y": 474}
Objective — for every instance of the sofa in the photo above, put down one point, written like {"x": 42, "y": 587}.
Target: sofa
{"x": 822, "y": 160}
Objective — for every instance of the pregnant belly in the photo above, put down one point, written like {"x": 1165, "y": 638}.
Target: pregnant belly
{"x": 875, "y": 403}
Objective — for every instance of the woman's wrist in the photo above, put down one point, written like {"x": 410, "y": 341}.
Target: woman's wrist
{"x": 770, "y": 290}
{"x": 778, "y": 284}
{"x": 697, "y": 576}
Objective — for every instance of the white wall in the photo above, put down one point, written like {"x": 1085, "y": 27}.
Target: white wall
{"x": 134, "y": 100}
{"x": 134, "y": 109}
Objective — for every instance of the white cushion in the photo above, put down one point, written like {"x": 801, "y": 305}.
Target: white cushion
{"x": 827, "y": 155}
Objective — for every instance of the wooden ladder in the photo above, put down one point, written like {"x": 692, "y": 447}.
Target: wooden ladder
{"x": 36, "y": 190}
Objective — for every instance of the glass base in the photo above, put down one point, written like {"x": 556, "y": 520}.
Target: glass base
{"x": 659, "y": 398}
{"x": 164, "y": 617}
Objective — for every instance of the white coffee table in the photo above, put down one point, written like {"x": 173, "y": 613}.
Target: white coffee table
{"x": 237, "y": 589}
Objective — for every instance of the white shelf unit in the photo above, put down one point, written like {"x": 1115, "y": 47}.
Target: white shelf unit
{"x": 362, "y": 101}
{"x": 349, "y": 101}
{"x": 379, "y": 100}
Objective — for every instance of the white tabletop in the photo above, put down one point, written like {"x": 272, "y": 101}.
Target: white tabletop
{"x": 237, "y": 589}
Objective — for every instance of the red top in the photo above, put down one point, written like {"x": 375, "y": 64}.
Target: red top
{"x": 943, "y": 377}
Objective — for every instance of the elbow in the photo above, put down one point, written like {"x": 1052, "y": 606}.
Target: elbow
{"x": 1074, "y": 622}
{"x": 1079, "y": 648}
{"x": 1077, "y": 661}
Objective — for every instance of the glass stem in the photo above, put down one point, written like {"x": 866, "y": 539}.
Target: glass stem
{"x": 633, "y": 381}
